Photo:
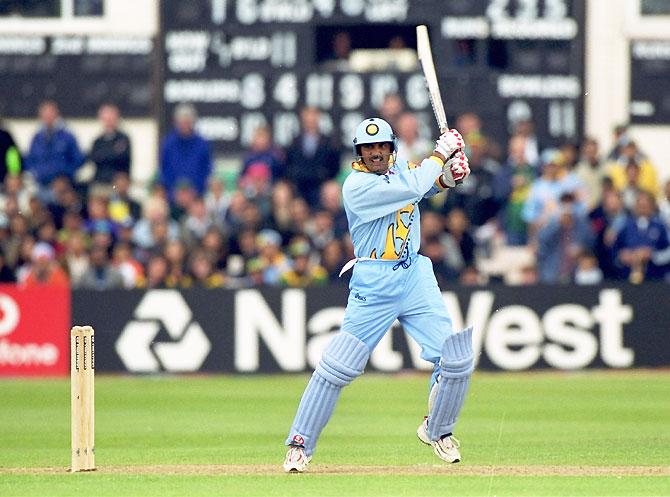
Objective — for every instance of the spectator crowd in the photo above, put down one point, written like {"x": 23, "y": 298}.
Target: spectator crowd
{"x": 527, "y": 214}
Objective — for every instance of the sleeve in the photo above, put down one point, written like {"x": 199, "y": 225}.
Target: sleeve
{"x": 126, "y": 156}
{"x": 661, "y": 252}
{"x": 438, "y": 187}
{"x": 548, "y": 235}
{"x": 166, "y": 174}
{"x": 76, "y": 157}
{"x": 13, "y": 161}
{"x": 31, "y": 157}
{"x": 378, "y": 196}
{"x": 532, "y": 207}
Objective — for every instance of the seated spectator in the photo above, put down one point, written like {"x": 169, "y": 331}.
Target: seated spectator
{"x": 43, "y": 270}
{"x": 546, "y": 191}
{"x": 470, "y": 277}
{"x": 526, "y": 129}
{"x": 215, "y": 247}
{"x": 111, "y": 151}
{"x": 607, "y": 221}
{"x": 122, "y": 208}
{"x": 311, "y": 159}
{"x": 303, "y": 272}
{"x": 338, "y": 59}
{"x": 561, "y": 239}
{"x": 245, "y": 245}
{"x": 185, "y": 154}
{"x": 235, "y": 213}
{"x": 320, "y": 229}
{"x": 469, "y": 123}
{"x": 642, "y": 249}
{"x": 280, "y": 218}
{"x": 252, "y": 219}
{"x": 10, "y": 157}
{"x": 263, "y": 152}
{"x": 476, "y": 195}
{"x": 332, "y": 260}
{"x": 511, "y": 188}
{"x": 196, "y": 222}
{"x": 411, "y": 146}
{"x": 155, "y": 211}
{"x": 176, "y": 254}
{"x": 646, "y": 180}
{"x": 15, "y": 195}
{"x": 24, "y": 262}
{"x": 63, "y": 198}
{"x": 183, "y": 197}
{"x": 38, "y": 214}
{"x": 6, "y": 273}
{"x": 459, "y": 246}
{"x": 590, "y": 171}
{"x": 433, "y": 248}
{"x": 587, "y": 271}
{"x": 391, "y": 108}
{"x": 664, "y": 205}
{"x": 331, "y": 201}
{"x": 217, "y": 200}
{"x": 273, "y": 260}
{"x": 18, "y": 230}
{"x": 300, "y": 216}
{"x": 256, "y": 184}
{"x": 101, "y": 274}
{"x": 621, "y": 138}
{"x": 255, "y": 273}
{"x": 130, "y": 269}
{"x": 157, "y": 268}
{"x": 630, "y": 190}
{"x": 97, "y": 214}
{"x": 203, "y": 273}
{"x": 53, "y": 150}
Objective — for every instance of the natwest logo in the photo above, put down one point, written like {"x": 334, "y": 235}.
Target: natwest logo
{"x": 510, "y": 337}
{"x": 33, "y": 336}
{"x": 565, "y": 336}
{"x": 163, "y": 309}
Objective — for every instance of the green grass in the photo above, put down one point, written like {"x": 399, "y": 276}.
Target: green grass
{"x": 553, "y": 419}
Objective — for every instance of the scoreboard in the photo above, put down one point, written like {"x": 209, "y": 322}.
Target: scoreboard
{"x": 79, "y": 72}
{"x": 242, "y": 63}
{"x": 650, "y": 75}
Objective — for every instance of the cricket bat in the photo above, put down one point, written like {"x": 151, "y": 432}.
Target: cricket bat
{"x": 426, "y": 58}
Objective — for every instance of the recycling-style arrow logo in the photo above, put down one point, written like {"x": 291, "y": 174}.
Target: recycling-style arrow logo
{"x": 167, "y": 309}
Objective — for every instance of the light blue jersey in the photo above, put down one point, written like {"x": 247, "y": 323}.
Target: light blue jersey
{"x": 382, "y": 209}
{"x": 390, "y": 280}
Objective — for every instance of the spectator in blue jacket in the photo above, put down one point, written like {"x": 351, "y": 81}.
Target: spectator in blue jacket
{"x": 185, "y": 155}
{"x": 642, "y": 249}
{"x": 54, "y": 151}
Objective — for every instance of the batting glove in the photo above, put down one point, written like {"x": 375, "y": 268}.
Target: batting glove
{"x": 449, "y": 142}
{"x": 455, "y": 170}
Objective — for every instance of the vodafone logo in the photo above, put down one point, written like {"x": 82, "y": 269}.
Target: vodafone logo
{"x": 21, "y": 354}
{"x": 9, "y": 315}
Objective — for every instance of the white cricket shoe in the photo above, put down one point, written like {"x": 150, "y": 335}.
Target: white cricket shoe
{"x": 296, "y": 460}
{"x": 446, "y": 448}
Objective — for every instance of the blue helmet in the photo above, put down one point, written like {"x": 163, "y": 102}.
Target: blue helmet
{"x": 374, "y": 130}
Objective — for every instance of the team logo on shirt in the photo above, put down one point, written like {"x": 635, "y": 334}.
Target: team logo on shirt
{"x": 397, "y": 233}
{"x": 372, "y": 129}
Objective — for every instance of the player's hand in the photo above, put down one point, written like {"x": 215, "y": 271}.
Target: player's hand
{"x": 455, "y": 170}
{"x": 449, "y": 143}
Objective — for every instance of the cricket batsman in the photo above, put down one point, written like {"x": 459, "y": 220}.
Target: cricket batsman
{"x": 391, "y": 281}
